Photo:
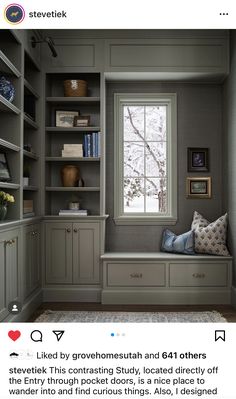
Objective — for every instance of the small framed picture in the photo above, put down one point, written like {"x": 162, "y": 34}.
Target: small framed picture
{"x": 198, "y": 187}
{"x": 66, "y": 118}
{"x": 4, "y": 168}
{"x": 198, "y": 159}
{"x": 82, "y": 121}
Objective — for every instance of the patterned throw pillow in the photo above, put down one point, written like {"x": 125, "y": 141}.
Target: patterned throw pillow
{"x": 182, "y": 244}
{"x": 210, "y": 238}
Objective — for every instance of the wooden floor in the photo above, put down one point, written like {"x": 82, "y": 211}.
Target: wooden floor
{"x": 226, "y": 310}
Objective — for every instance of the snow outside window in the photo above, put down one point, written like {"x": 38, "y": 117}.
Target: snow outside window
{"x": 145, "y": 159}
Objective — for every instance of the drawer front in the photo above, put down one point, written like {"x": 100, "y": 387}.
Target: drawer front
{"x": 136, "y": 274}
{"x": 199, "y": 275}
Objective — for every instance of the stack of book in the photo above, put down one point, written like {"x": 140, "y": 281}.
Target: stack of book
{"x": 72, "y": 151}
{"x": 71, "y": 212}
{"x": 92, "y": 146}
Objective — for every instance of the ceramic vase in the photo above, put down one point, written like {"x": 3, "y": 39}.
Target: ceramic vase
{"x": 3, "y": 212}
{"x": 70, "y": 175}
{"x": 7, "y": 89}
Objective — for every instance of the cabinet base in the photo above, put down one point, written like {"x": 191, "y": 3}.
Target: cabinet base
{"x": 72, "y": 294}
{"x": 167, "y": 297}
{"x": 233, "y": 296}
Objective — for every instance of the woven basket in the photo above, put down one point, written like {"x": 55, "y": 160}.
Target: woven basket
{"x": 75, "y": 88}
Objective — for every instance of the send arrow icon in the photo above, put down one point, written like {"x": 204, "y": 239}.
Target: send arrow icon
{"x": 59, "y": 334}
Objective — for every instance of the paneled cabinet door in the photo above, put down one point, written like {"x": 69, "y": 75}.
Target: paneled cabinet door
{"x": 3, "y": 303}
{"x": 31, "y": 274}
{"x": 59, "y": 253}
{"x": 9, "y": 270}
{"x": 86, "y": 251}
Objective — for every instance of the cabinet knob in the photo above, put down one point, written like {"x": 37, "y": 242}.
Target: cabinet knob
{"x": 136, "y": 275}
{"x": 199, "y": 275}
{"x": 75, "y": 230}
{"x": 68, "y": 230}
{"x": 9, "y": 242}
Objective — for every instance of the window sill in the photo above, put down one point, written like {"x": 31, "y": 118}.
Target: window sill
{"x": 145, "y": 220}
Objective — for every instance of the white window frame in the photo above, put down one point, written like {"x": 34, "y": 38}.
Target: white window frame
{"x": 170, "y": 100}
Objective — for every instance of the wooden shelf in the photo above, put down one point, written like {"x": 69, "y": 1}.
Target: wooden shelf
{"x": 12, "y": 186}
{"x": 6, "y": 106}
{"x": 9, "y": 146}
{"x": 30, "y": 123}
{"x": 31, "y": 155}
{"x": 6, "y": 66}
{"x": 30, "y": 188}
{"x": 30, "y": 90}
{"x": 73, "y": 100}
{"x": 72, "y": 159}
{"x": 72, "y": 189}
{"x": 73, "y": 129}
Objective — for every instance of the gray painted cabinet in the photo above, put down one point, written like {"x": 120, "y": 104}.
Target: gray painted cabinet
{"x": 72, "y": 253}
{"x": 31, "y": 256}
{"x": 9, "y": 269}
{"x": 59, "y": 253}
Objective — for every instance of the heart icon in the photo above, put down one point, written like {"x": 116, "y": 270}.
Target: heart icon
{"x": 14, "y": 335}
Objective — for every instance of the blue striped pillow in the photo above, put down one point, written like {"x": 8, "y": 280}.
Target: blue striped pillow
{"x": 182, "y": 244}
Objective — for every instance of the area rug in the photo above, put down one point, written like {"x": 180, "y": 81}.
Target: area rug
{"x": 129, "y": 317}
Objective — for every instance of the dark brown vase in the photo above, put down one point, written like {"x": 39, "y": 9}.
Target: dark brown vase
{"x": 70, "y": 175}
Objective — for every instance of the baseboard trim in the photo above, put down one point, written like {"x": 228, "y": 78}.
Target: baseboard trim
{"x": 72, "y": 294}
{"x": 28, "y": 309}
{"x": 166, "y": 297}
{"x": 233, "y": 296}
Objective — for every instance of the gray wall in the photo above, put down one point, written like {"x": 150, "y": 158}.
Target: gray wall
{"x": 229, "y": 199}
{"x": 199, "y": 125}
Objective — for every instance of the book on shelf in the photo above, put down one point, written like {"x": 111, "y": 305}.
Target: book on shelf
{"x": 72, "y": 150}
{"x": 28, "y": 206}
{"x": 75, "y": 154}
{"x": 72, "y": 146}
{"x": 91, "y": 145}
{"x": 71, "y": 212}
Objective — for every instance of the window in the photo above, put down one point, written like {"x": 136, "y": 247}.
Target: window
{"x": 145, "y": 159}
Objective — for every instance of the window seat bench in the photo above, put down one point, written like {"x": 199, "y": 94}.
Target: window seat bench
{"x": 165, "y": 278}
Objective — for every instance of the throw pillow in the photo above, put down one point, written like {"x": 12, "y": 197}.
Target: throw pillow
{"x": 182, "y": 244}
{"x": 210, "y": 238}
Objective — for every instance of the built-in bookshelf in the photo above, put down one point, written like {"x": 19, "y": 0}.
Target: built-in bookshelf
{"x": 10, "y": 120}
{"x": 31, "y": 140}
{"x": 57, "y": 196}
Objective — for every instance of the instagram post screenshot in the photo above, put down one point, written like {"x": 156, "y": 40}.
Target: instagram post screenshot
{"x": 117, "y": 199}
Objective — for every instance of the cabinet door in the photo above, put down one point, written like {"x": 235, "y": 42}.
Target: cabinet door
{"x": 31, "y": 269}
{"x": 12, "y": 259}
{"x": 3, "y": 302}
{"x": 86, "y": 251}
{"x": 59, "y": 253}
{"x": 35, "y": 256}
{"x": 10, "y": 283}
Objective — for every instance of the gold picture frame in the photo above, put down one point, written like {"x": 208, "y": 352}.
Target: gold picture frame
{"x": 198, "y": 187}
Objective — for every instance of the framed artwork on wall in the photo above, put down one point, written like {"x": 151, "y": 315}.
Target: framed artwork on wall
{"x": 198, "y": 159}
{"x": 198, "y": 187}
{"x": 4, "y": 168}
